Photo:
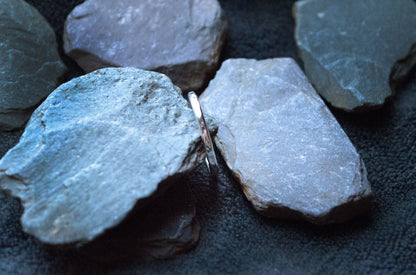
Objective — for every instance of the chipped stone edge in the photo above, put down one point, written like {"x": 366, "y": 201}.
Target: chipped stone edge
{"x": 403, "y": 69}
{"x": 90, "y": 62}
{"x": 399, "y": 73}
{"x": 13, "y": 184}
{"x": 352, "y": 206}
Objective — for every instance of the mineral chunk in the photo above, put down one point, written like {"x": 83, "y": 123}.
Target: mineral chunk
{"x": 30, "y": 66}
{"x": 350, "y": 47}
{"x": 290, "y": 155}
{"x": 98, "y": 146}
{"x": 164, "y": 228}
{"x": 181, "y": 39}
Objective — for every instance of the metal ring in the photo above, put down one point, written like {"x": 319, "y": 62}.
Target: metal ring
{"x": 211, "y": 159}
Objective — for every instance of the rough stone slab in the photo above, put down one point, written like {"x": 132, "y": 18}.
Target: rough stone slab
{"x": 96, "y": 147}
{"x": 164, "y": 228}
{"x": 290, "y": 155}
{"x": 182, "y": 39}
{"x": 350, "y": 47}
{"x": 30, "y": 66}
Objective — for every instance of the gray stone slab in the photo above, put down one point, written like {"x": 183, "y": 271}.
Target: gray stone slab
{"x": 350, "y": 47}
{"x": 30, "y": 66}
{"x": 282, "y": 143}
{"x": 98, "y": 146}
{"x": 182, "y": 39}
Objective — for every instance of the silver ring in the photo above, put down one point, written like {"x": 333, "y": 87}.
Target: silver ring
{"x": 211, "y": 159}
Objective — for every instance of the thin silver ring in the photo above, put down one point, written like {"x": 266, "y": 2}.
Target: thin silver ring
{"x": 211, "y": 158}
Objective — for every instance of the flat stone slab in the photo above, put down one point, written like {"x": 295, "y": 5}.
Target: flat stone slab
{"x": 350, "y": 47}
{"x": 162, "y": 229}
{"x": 182, "y": 39}
{"x": 30, "y": 66}
{"x": 96, "y": 148}
{"x": 284, "y": 146}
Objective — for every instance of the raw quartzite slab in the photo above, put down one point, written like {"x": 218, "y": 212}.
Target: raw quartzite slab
{"x": 290, "y": 155}
{"x": 182, "y": 39}
{"x": 350, "y": 47}
{"x": 98, "y": 146}
{"x": 30, "y": 66}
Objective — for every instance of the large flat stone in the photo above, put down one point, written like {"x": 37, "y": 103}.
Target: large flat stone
{"x": 281, "y": 142}
{"x": 350, "y": 47}
{"x": 30, "y": 66}
{"x": 98, "y": 146}
{"x": 182, "y": 39}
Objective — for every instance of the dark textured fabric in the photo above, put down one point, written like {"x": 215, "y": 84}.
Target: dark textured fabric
{"x": 234, "y": 238}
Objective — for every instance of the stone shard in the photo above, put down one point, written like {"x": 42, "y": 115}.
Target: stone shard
{"x": 98, "y": 146}
{"x": 349, "y": 48}
{"x": 182, "y": 39}
{"x": 281, "y": 142}
{"x": 403, "y": 69}
{"x": 162, "y": 229}
{"x": 30, "y": 66}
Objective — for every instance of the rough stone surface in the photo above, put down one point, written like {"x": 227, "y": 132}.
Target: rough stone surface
{"x": 98, "y": 146}
{"x": 182, "y": 39}
{"x": 164, "y": 228}
{"x": 30, "y": 66}
{"x": 350, "y": 47}
{"x": 234, "y": 239}
{"x": 290, "y": 155}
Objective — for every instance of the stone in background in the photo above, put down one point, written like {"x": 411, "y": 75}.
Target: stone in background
{"x": 182, "y": 39}
{"x": 30, "y": 66}
{"x": 350, "y": 47}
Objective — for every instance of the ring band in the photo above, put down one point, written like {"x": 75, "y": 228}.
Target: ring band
{"x": 211, "y": 159}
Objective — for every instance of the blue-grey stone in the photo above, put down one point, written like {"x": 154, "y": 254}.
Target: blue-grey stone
{"x": 96, "y": 148}
{"x": 30, "y": 66}
{"x": 350, "y": 47}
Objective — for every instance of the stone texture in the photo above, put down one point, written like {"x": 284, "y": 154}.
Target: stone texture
{"x": 281, "y": 142}
{"x": 403, "y": 69}
{"x": 96, "y": 147}
{"x": 234, "y": 238}
{"x": 350, "y": 47}
{"x": 30, "y": 66}
{"x": 164, "y": 228}
{"x": 182, "y": 39}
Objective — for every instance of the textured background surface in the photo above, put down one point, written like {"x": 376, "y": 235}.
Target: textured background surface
{"x": 236, "y": 239}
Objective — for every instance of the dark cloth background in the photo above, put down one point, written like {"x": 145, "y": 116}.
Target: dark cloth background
{"x": 234, "y": 238}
